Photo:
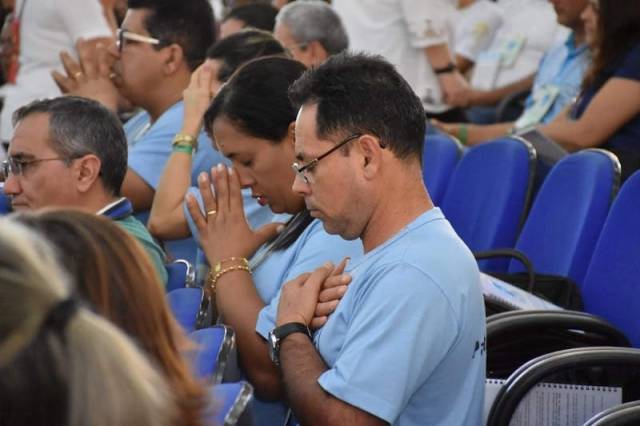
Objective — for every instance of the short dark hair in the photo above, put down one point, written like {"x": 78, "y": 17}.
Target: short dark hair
{"x": 255, "y": 98}
{"x": 188, "y": 23}
{"x": 80, "y": 126}
{"x": 255, "y": 15}
{"x": 361, "y": 93}
{"x": 241, "y": 47}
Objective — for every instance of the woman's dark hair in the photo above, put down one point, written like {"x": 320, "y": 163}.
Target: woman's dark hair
{"x": 255, "y": 15}
{"x": 241, "y": 47}
{"x": 618, "y": 30}
{"x": 255, "y": 101}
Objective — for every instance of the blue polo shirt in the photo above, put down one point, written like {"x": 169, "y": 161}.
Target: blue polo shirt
{"x": 563, "y": 66}
{"x": 149, "y": 150}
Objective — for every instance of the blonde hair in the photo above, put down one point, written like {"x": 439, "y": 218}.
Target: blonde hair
{"x": 84, "y": 371}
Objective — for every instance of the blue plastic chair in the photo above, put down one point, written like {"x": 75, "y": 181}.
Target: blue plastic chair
{"x": 181, "y": 274}
{"x": 214, "y": 345}
{"x": 439, "y": 158}
{"x": 5, "y": 201}
{"x": 568, "y": 213}
{"x": 188, "y": 306}
{"x": 230, "y": 403}
{"x": 487, "y": 197}
{"x": 611, "y": 286}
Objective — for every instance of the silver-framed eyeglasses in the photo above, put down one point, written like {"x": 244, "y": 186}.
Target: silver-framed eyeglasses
{"x": 302, "y": 170}
{"x": 123, "y": 35}
{"x": 17, "y": 167}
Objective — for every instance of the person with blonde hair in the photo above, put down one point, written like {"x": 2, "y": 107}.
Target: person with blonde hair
{"x": 61, "y": 364}
{"x": 113, "y": 275}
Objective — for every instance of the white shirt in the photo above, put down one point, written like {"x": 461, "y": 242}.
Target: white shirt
{"x": 48, "y": 27}
{"x": 534, "y": 21}
{"x": 476, "y": 26}
{"x": 400, "y": 30}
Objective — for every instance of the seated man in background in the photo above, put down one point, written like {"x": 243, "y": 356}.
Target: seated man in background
{"x": 160, "y": 43}
{"x": 417, "y": 36}
{"x": 71, "y": 152}
{"x": 310, "y": 31}
{"x": 406, "y": 343}
{"x": 509, "y": 64}
{"x": 477, "y": 23}
{"x": 556, "y": 85}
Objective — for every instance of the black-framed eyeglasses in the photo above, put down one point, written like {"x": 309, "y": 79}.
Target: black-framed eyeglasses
{"x": 122, "y": 35}
{"x": 303, "y": 170}
{"x": 17, "y": 167}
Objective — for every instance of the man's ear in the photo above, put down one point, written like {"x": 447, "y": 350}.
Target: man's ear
{"x": 174, "y": 58}
{"x": 291, "y": 133}
{"x": 87, "y": 171}
{"x": 317, "y": 52}
{"x": 371, "y": 155}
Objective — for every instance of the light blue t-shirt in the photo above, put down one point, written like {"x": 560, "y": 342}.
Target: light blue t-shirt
{"x": 149, "y": 150}
{"x": 407, "y": 340}
{"x": 312, "y": 248}
{"x": 563, "y": 66}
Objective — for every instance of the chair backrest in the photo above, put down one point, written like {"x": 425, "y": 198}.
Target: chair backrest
{"x": 230, "y": 402}
{"x": 440, "y": 155}
{"x": 621, "y": 415}
{"x": 214, "y": 345}
{"x": 612, "y": 284}
{"x": 535, "y": 371}
{"x": 487, "y": 197}
{"x": 180, "y": 274}
{"x": 188, "y": 306}
{"x": 5, "y": 201}
{"x": 567, "y": 214}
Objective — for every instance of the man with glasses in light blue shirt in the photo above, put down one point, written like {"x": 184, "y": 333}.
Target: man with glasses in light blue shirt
{"x": 406, "y": 344}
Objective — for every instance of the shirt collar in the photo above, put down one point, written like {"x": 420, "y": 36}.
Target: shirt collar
{"x": 572, "y": 48}
{"x": 110, "y": 206}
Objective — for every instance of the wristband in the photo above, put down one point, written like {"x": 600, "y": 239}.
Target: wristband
{"x": 463, "y": 133}
{"x": 187, "y": 149}
{"x": 450, "y": 67}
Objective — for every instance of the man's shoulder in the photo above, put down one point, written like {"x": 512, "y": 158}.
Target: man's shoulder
{"x": 428, "y": 250}
{"x": 137, "y": 229}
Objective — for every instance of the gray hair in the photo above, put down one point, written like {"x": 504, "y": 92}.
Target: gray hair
{"x": 80, "y": 126}
{"x": 81, "y": 371}
{"x": 314, "y": 21}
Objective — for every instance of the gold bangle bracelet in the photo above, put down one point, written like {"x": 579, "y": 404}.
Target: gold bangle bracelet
{"x": 185, "y": 139}
{"x": 218, "y": 266}
{"x": 212, "y": 280}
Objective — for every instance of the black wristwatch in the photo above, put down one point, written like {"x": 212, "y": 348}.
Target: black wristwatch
{"x": 451, "y": 67}
{"x": 279, "y": 333}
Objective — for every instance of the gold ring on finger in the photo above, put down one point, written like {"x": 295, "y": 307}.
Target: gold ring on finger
{"x": 77, "y": 75}
{"x": 211, "y": 213}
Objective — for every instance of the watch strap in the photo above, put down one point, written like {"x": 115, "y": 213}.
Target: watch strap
{"x": 450, "y": 67}
{"x": 279, "y": 333}
{"x": 289, "y": 328}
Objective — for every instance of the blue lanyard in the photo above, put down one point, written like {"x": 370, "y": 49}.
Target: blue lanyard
{"x": 121, "y": 210}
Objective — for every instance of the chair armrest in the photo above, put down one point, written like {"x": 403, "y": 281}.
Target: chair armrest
{"x": 514, "y": 254}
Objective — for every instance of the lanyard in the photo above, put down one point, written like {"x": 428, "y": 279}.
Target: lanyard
{"x": 120, "y": 210}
